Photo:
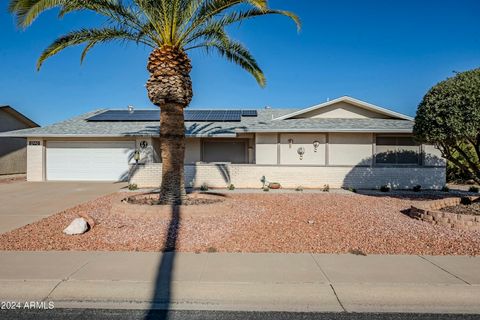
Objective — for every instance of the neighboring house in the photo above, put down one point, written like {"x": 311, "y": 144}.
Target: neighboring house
{"x": 13, "y": 151}
{"x": 343, "y": 143}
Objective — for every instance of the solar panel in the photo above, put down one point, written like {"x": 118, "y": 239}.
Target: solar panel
{"x": 249, "y": 113}
{"x": 190, "y": 115}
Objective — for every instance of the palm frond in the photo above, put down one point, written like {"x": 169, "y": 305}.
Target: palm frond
{"x": 236, "y": 53}
{"x": 91, "y": 37}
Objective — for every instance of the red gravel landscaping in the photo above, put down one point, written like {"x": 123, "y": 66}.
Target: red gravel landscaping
{"x": 317, "y": 223}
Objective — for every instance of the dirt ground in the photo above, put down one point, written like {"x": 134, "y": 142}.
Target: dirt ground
{"x": 295, "y": 222}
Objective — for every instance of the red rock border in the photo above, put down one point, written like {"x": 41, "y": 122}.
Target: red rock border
{"x": 429, "y": 212}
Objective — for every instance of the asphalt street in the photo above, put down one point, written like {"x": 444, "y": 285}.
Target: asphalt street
{"x": 109, "y": 314}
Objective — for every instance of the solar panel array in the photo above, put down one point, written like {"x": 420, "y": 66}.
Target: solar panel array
{"x": 190, "y": 115}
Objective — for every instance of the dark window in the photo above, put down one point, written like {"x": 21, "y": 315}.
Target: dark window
{"x": 397, "y": 150}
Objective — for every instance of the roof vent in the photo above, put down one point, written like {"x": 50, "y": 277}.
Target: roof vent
{"x": 131, "y": 109}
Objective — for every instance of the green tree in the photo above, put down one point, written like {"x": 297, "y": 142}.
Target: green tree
{"x": 449, "y": 118}
{"x": 171, "y": 28}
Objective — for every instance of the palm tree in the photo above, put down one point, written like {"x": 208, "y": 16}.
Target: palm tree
{"x": 171, "y": 28}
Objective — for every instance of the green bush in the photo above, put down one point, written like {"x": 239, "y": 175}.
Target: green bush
{"x": 204, "y": 187}
{"x": 326, "y": 188}
{"x": 352, "y": 190}
{"x": 474, "y": 189}
{"x": 299, "y": 188}
{"x": 132, "y": 186}
{"x": 231, "y": 186}
{"x": 385, "y": 188}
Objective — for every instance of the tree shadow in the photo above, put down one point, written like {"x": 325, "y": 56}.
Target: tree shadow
{"x": 373, "y": 172}
{"x": 162, "y": 295}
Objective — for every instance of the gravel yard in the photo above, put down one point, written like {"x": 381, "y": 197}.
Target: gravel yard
{"x": 295, "y": 222}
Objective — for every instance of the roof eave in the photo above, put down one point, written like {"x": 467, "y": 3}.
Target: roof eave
{"x": 354, "y": 101}
{"x": 333, "y": 130}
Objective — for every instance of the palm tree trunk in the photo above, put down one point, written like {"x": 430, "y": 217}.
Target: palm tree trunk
{"x": 172, "y": 146}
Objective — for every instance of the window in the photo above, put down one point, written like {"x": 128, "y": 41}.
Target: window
{"x": 397, "y": 150}
{"x": 225, "y": 151}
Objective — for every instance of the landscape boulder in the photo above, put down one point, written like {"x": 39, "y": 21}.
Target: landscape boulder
{"x": 77, "y": 226}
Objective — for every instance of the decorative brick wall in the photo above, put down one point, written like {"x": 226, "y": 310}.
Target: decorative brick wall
{"x": 248, "y": 176}
{"x": 429, "y": 212}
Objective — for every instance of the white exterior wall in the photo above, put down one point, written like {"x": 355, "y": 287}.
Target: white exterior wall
{"x": 266, "y": 148}
{"x": 35, "y": 160}
{"x": 350, "y": 149}
{"x": 289, "y": 152}
{"x": 248, "y": 176}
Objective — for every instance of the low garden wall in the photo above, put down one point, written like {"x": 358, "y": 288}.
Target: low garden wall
{"x": 429, "y": 212}
{"x": 249, "y": 176}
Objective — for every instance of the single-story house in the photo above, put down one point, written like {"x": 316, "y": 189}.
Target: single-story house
{"x": 13, "y": 151}
{"x": 343, "y": 143}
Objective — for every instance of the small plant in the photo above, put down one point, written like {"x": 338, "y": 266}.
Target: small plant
{"x": 211, "y": 249}
{"x": 326, "y": 188}
{"x": 299, "y": 188}
{"x": 474, "y": 189}
{"x": 385, "y": 188}
{"x": 445, "y": 189}
{"x": 132, "y": 186}
{"x": 263, "y": 180}
{"x": 417, "y": 188}
{"x": 204, "y": 187}
{"x": 231, "y": 187}
{"x": 352, "y": 190}
{"x": 357, "y": 252}
{"x": 266, "y": 189}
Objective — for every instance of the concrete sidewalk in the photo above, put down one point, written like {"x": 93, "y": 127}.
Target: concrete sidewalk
{"x": 243, "y": 282}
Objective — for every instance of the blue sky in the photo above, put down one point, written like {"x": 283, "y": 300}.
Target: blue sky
{"x": 385, "y": 52}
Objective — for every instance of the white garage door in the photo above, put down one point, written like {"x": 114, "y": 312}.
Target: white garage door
{"x": 88, "y": 160}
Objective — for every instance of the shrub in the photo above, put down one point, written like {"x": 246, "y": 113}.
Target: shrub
{"x": 417, "y": 188}
{"x": 231, "y": 186}
{"x": 132, "y": 186}
{"x": 204, "y": 187}
{"x": 385, "y": 188}
{"x": 352, "y": 190}
{"x": 474, "y": 189}
{"x": 266, "y": 188}
{"x": 449, "y": 118}
{"x": 445, "y": 189}
{"x": 326, "y": 188}
{"x": 299, "y": 188}
{"x": 211, "y": 249}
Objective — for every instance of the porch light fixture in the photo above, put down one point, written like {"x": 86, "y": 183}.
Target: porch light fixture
{"x": 301, "y": 152}
{"x": 316, "y": 144}
{"x": 136, "y": 156}
{"x": 290, "y": 142}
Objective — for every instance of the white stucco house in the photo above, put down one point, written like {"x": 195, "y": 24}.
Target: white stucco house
{"x": 343, "y": 143}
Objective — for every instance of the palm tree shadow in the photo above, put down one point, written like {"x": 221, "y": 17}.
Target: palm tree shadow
{"x": 162, "y": 296}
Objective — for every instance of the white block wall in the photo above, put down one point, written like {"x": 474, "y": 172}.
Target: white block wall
{"x": 248, "y": 176}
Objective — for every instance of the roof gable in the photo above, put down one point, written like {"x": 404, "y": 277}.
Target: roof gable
{"x": 19, "y": 116}
{"x": 345, "y": 108}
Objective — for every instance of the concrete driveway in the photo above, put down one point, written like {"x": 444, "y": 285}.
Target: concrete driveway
{"x": 26, "y": 202}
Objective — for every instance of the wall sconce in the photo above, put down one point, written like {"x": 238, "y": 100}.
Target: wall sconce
{"x": 136, "y": 156}
{"x": 316, "y": 144}
{"x": 290, "y": 142}
{"x": 301, "y": 152}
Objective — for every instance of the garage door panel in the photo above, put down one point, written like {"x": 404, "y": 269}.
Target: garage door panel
{"x": 88, "y": 161}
